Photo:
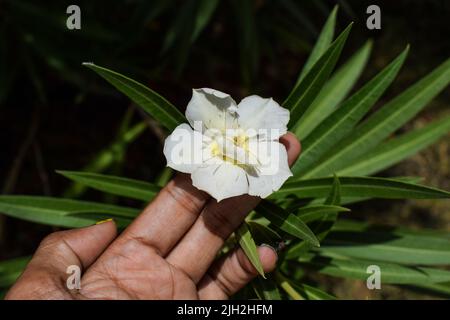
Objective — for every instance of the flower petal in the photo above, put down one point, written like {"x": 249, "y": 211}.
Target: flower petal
{"x": 215, "y": 110}
{"x": 221, "y": 181}
{"x": 256, "y": 113}
{"x": 273, "y": 169}
{"x": 183, "y": 149}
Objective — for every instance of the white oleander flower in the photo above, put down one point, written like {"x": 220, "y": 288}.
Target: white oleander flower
{"x": 231, "y": 149}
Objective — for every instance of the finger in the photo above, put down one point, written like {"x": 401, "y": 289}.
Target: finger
{"x": 79, "y": 247}
{"x": 231, "y": 273}
{"x": 197, "y": 249}
{"x": 166, "y": 219}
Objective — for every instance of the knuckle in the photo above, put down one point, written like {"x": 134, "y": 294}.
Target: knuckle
{"x": 219, "y": 222}
{"x": 184, "y": 198}
{"x": 52, "y": 239}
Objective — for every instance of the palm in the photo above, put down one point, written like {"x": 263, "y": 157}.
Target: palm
{"x": 137, "y": 272}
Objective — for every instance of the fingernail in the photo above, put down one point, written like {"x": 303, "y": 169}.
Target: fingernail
{"x": 103, "y": 221}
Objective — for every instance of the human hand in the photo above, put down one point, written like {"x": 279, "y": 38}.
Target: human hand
{"x": 168, "y": 252}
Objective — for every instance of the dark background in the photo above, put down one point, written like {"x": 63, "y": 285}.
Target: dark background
{"x": 56, "y": 114}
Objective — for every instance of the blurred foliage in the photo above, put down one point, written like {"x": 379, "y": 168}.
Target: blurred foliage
{"x": 32, "y": 33}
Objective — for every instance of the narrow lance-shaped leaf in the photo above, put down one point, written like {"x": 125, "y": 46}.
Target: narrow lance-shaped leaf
{"x": 388, "y": 246}
{"x": 287, "y": 222}
{"x": 311, "y": 293}
{"x": 397, "y": 149}
{"x": 248, "y": 245}
{"x": 333, "y": 92}
{"x": 63, "y": 212}
{"x": 157, "y": 106}
{"x": 373, "y": 187}
{"x": 383, "y": 123}
{"x": 341, "y": 122}
{"x": 359, "y": 226}
{"x": 306, "y": 91}
{"x": 439, "y": 288}
{"x": 286, "y": 285}
{"x": 130, "y": 188}
{"x": 263, "y": 233}
{"x": 322, "y": 44}
{"x": 316, "y": 212}
{"x": 390, "y": 272}
{"x": 349, "y": 200}
{"x": 266, "y": 289}
{"x": 323, "y": 226}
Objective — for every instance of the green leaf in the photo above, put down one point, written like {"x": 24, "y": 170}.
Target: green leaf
{"x": 393, "y": 244}
{"x": 439, "y": 288}
{"x": 359, "y": 226}
{"x": 164, "y": 177}
{"x": 390, "y": 272}
{"x": 311, "y": 293}
{"x": 322, "y": 44}
{"x": 134, "y": 189}
{"x": 287, "y": 222}
{"x": 248, "y": 245}
{"x": 384, "y": 122}
{"x": 322, "y": 226}
{"x": 263, "y": 233}
{"x": 306, "y": 91}
{"x": 397, "y": 149}
{"x": 63, "y": 212}
{"x": 286, "y": 285}
{"x": 334, "y": 91}
{"x": 349, "y": 200}
{"x": 154, "y": 104}
{"x": 11, "y": 269}
{"x": 266, "y": 289}
{"x": 373, "y": 187}
{"x": 334, "y": 198}
{"x": 317, "y": 212}
{"x": 206, "y": 9}
{"x": 390, "y": 247}
{"x": 341, "y": 122}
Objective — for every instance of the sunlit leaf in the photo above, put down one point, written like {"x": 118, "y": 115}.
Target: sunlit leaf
{"x": 390, "y": 272}
{"x": 384, "y": 122}
{"x": 323, "y": 42}
{"x": 334, "y": 91}
{"x": 63, "y": 212}
{"x": 341, "y": 122}
{"x": 130, "y": 188}
{"x": 306, "y": 91}
{"x": 397, "y": 149}
{"x": 373, "y": 187}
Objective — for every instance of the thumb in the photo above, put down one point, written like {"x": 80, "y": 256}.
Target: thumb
{"x": 58, "y": 251}
{"x": 74, "y": 247}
